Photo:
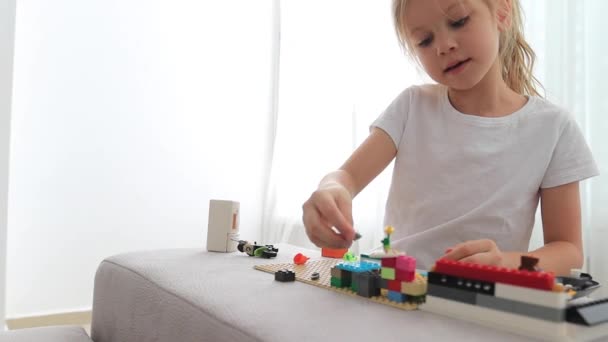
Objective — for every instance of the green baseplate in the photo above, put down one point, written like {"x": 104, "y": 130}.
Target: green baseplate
{"x": 323, "y": 267}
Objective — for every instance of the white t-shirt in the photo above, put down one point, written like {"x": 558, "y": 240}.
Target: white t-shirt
{"x": 460, "y": 177}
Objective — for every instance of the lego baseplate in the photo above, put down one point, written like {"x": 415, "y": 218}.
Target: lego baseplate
{"x": 323, "y": 267}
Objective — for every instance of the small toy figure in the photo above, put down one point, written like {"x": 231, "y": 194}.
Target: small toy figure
{"x": 263, "y": 251}
{"x": 349, "y": 257}
{"x": 300, "y": 259}
{"x": 386, "y": 242}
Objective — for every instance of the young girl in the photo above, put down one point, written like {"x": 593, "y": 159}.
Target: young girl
{"x": 474, "y": 153}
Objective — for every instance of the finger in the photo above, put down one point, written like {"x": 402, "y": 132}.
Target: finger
{"x": 320, "y": 233}
{"x": 332, "y": 214}
{"x": 483, "y": 259}
{"x": 346, "y": 209}
{"x": 468, "y": 248}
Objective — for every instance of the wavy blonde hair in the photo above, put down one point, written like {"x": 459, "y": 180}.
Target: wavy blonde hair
{"x": 516, "y": 56}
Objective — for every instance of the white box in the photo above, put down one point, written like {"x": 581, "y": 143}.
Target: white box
{"x": 223, "y": 226}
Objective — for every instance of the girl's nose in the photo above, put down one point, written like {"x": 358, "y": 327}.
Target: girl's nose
{"x": 445, "y": 44}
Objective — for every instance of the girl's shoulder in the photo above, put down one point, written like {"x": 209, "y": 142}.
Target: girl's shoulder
{"x": 423, "y": 92}
{"x": 548, "y": 110}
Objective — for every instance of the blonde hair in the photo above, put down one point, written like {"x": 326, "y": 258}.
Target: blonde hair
{"x": 516, "y": 56}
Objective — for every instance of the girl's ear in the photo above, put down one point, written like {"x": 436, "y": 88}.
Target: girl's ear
{"x": 503, "y": 14}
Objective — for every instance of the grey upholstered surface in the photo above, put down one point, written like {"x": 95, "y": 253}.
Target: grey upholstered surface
{"x": 46, "y": 334}
{"x": 192, "y": 295}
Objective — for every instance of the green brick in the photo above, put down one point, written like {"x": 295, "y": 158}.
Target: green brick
{"x": 387, "y": 273}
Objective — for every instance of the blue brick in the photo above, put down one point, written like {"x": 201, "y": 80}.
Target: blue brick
{"x": 397, "y": 297}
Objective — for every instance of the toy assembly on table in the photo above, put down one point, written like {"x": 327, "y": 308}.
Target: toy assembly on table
{"x": 391, "y": 278}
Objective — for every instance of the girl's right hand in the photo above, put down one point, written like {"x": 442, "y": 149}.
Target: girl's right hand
{"x": 329, "y": 206}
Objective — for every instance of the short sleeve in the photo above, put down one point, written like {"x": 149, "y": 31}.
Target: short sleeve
{"x": 394, "y": 117}
{"x": 572, "y": 160}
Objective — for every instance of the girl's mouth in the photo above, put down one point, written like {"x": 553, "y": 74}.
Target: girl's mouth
{"x": 457, "y": 67}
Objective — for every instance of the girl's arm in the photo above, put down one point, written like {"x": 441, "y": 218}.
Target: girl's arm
{"x": 368, "y": 160}
{"x": 562, "y": 232}
{"x": 331, "y": 204}
{"x": 563, "y": 249}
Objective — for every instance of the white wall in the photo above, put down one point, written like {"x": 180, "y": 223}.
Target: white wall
{"x": 128, "y": 117}
{"x": 7, "y": 30}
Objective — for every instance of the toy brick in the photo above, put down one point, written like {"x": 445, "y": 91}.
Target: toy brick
{"x": 418, "y": 287}
{"x": 557, "y": 300}
{"x": 394, "y": 285}
{"x": 340, "y": 283}
{"x": 341, "y": 274}
{"x": 387, "y": 273}
{"x": 361, "y": 266}
{"x": 451, "y": 293}
{"x": 333, "y": 253}
{"x": 589, "y": 314}
{"x": 537, "y": 280}
{"x": 284, "y": 276}
{"x": 389, "y": 262}
{"x": 525, "y": 309}
{"x": 405, "y": 263}
{"x": 397, "y": 297}
{"x": 510, "y": 322}
{"x": 416, "y": 299}
{"x": 383, "y": 283}
{"x": 367, "y": 284}
{"x": 476, "y": 286}
{"x": 384, "y": 292}
{"x": 405, "y": 275}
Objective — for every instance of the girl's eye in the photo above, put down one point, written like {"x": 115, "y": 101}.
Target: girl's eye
{"x": 459, "y": 23}
{"x": 425, "y": 42}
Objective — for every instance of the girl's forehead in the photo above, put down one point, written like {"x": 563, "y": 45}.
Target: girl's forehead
{"x": 421, "y": 13}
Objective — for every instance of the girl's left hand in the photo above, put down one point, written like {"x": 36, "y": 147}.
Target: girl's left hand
{"x": 476, "y": 251}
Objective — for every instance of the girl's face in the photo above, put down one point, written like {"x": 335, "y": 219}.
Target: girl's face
{"x": 456, "y": 41}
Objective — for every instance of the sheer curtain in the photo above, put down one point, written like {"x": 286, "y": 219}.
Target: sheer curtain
{"x": 340, "y": 66}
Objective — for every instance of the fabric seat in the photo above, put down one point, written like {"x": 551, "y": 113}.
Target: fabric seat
{"x": 46, "y": 334}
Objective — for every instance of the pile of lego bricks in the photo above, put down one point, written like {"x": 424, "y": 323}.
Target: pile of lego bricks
{"x": 522, "y": 300}
{"x": 394, "y": 278}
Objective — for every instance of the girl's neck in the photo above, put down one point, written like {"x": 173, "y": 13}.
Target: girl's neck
{"x": 491, "y": 97}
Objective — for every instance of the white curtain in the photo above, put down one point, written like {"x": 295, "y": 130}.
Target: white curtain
{"x": 340, "y": 66}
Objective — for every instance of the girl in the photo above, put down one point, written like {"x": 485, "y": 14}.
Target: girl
{"x": 474, "y": 153}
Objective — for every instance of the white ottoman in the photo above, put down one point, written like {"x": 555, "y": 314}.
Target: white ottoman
{"x": 46, "y": 334}
{"x": 189, "y": 295}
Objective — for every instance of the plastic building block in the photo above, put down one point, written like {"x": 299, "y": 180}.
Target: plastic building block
{"x": 452, "y": 294}
{"x": 529, "y": 263}
{"x": 397, "y": 296}
{"x": 389, "y": 262}
{"x": 361, "y": 266}
{"x": 405, "y": 275}
{"x": 592, "y": 313}
{"x": 344, "y": 277}
{"x": 315, "y": 276}
{"x": 405, "y": 263}
{"x": 394, "y": 285}
{"x": 333, "y": 253}
{"x": 418, "y": 287}
{"x": 550, "y": 299}
{"x": 300, "y": 259}
{"x": 510, "y": 322}
{"x": 462, "y": 283}
{"x": 521, "y": 308}
{"x": 387, "y": 273}
{"x": 367, "y": 284}
{"x": 285, "y": 276}
{"x": 538, "y": 280}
